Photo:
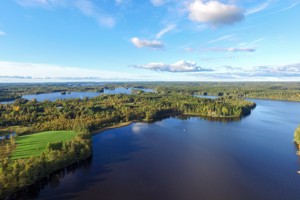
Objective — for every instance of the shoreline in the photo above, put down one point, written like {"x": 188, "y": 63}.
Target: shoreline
{"x": 212, "y": 116}
{"x": 118, "y": 125}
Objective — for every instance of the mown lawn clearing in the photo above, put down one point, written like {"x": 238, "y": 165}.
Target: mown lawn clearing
{"x": 35, "y": 144}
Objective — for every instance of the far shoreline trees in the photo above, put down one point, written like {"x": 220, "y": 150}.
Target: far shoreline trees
{"x": 89, "y": 114}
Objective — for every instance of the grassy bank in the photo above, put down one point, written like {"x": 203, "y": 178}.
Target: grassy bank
{"x": 297, "y": 136}
{"x": 35, "y": 144}
{"x": 18, "y": 174}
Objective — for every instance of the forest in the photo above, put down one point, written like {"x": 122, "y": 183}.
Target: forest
{"x": 86, "y": 115}
{"x": 297, "y": 136}
{"x": 24, "y": 116}
{"x": 20, "y": 173}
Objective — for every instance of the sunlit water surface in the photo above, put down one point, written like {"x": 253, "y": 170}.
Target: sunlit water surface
{"x": 176, "y": 159}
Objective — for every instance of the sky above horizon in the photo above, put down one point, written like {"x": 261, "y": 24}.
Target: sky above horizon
{"x": 149, "y": 40}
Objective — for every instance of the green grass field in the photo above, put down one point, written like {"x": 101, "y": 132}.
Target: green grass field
{"x": 35, "y": 144}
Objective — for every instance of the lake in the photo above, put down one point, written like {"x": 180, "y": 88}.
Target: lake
{"x": 206, "y": 96}
{"x": 57, "y": 95}
{"x": 189, "y": 158}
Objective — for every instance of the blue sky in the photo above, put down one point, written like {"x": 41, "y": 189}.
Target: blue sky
{"x": 149, "y": 40}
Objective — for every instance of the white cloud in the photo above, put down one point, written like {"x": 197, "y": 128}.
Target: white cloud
{"x": 165, "y": 30}
{"x": 107, "y": 21}
{"x": 2, "y": 33}
{"x": 45, "y": 71}
{"x": 33, "y": 72}
{"x": 259, "y": 8}
{"x": 233, "y": 49}
{"x": 292, "y": 70}
{"x": 225, "y": 37}
{"x": 215, "y": 13}
{"x": 188, "y": 49}
{"x": 252, "y": 43}
{"x": 258, "y": 73}
{"x": 158, "y": 2}
{"x": 86, "y": 7}
{"x": 89, "y": 9}
{"x": 118, "y": 2}
{"x": 155, "y": 44}
{"x": 42, "y": 2}
{"x": 293, "y": 5}
{"x": 257, "y": 40}
{"x": 208, "y": 59}
{"x": 180, "y": 66}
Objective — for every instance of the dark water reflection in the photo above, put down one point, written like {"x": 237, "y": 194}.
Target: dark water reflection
{"x": 191, "y": 158}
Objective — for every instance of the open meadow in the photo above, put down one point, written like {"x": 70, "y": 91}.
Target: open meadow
{"x": 35, "y": 144}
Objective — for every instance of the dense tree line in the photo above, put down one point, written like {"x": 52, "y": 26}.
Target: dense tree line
{"x": 265, "y": 90}
{"x": 90, "y": 114}
{"x": 14, "y": 91}
{"x": 7, "y": 146}
{"x": 18, "y": 174}
{"x": 262, "y": 90}
{"x": 297, "y": 136}
{"x": 275, "y": 91}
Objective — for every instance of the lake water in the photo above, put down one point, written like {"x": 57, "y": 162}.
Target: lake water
{"x": 121, "y": 90}
{"x": 206, "y": 96}
{"x": 7, "y": 136}
{"x": 189, "y": 159}
{"x": 57, "y": 95}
